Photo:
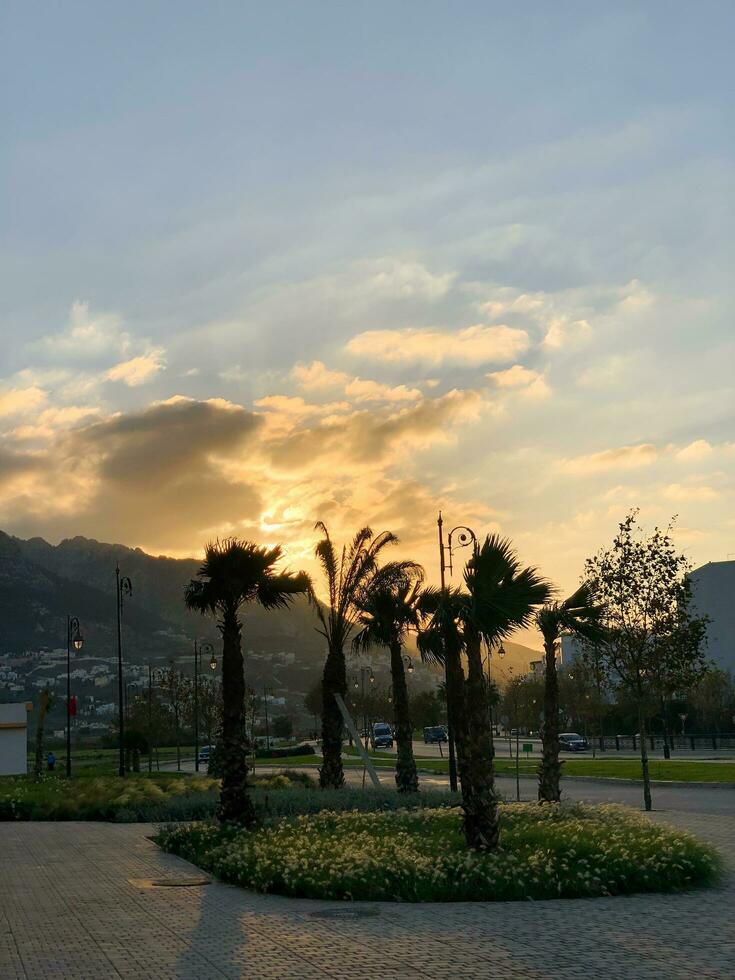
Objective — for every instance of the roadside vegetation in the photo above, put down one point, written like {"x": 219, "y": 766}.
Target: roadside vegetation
{"x": 140, "y": 798}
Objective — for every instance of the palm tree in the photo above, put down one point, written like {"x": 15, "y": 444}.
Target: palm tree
{"x": 441, "y": 641}
{"x": 346, "y": 574}
{"x": 388, "y": 609}
{"x": 499, "y": 597}
{"x": 234, "y": 573}
{"x": 503, "y": 597}
{"x": 577, "y": 615}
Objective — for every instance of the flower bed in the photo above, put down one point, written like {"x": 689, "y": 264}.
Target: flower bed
{"x": 419, "y": 855}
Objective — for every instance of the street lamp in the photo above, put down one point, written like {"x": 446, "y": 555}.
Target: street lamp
{"x": 408, "y": 663}
{"x": 199, "y": 649}
{"x": 464, "y": 536}
{"x": 73, "y": 638}
{"x": 123, "y": 589}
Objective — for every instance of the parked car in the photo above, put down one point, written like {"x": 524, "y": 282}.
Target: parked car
{"x": 435, "y": 734}
{"x": 204, "y": 753}
{"x": 572, "y": 742}
{"x": 382, "y": 736}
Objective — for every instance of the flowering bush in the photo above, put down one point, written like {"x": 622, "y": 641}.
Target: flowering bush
{"x": 550, "y": 851}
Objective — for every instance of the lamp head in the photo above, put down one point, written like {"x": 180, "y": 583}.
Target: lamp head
{"x": 213, "y": 662}
{"x": 78, "y": 641}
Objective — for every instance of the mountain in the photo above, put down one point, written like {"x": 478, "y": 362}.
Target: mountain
{"x": 41, "y": 583}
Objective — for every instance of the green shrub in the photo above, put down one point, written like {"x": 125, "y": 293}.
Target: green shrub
{"x": 551, "y": 851}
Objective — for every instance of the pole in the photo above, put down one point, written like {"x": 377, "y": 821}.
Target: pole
{"x": 150, "y": 718}
{"x": 196, "y": 708}
{"x": 450, "y": 725}
{"x": 265, "y": 704}
{"x": 118, "y": 595}
{"x": 518, "y": 771}
{"x": 68, "y": 697}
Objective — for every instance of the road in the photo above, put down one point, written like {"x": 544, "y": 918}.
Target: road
{"x": 693, "y": 798}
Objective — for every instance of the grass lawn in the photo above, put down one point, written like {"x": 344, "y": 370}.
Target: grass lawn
{"x": 557, "y": 851}
{"x": 100, "y": 761}
{"x": 661, "y": 770}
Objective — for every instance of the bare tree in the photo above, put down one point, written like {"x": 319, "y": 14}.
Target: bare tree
{"x": 176, "y": 694}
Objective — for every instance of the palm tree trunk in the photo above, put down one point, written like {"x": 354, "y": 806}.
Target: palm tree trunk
{"x": 644, "y": 758}
{"x": 456, "y": 711}
{"x": 481, "y": 819}
{"x": 235, "y": 803}
{"x": 334, "y": 681}
{"x": 549, "y": 789}
{"x": 407, "y": 780}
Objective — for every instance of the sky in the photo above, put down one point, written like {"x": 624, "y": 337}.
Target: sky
{"x": 268, "y": 264}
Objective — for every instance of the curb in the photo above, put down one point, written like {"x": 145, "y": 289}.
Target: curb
{"x": 676, "y": 783}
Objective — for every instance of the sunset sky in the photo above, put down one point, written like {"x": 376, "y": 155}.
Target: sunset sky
{"x": 264, "y": 264}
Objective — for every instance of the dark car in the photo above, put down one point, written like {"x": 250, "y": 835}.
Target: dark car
{"x": 434, "y": 734}
{"x": 382, "y": 736}
{"x": 572, "y": 742}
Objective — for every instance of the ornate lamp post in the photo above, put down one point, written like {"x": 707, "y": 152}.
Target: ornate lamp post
{"x": 123, "y": 589}
{"x": 464, "y": 536}
{"x": 207, "y": 649}
{"x": 73, "y": 638}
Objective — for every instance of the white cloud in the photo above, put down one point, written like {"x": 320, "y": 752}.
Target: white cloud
{"x": 316, "y": 376}
{"x": 562, "y": 331}
{"x": 478, "y": 344}
{"x": 679, "y": 492}
{"x": 699, "y": 449}
{"x": 530, "y": 384}
{"x": 620, "y": 458}
{"x": 15, "y": 401}
{"x": 138, "y": 370}
{"x": 88, "y": 336}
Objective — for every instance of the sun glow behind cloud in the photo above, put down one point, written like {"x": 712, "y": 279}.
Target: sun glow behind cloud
{"x": 323, "y": 290}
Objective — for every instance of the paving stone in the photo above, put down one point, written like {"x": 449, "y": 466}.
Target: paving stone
{"x": 68, "y": 909}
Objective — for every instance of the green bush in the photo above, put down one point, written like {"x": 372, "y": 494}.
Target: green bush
{"x": 137, "y": 798}
{"x": 550, "y": 851}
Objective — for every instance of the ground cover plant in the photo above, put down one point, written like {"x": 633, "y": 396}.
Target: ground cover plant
{"x": 549, "y": 851}
{"x": 137, "y": 798}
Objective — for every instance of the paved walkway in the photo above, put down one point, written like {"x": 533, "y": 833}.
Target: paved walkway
{"x": 68, "y": 909}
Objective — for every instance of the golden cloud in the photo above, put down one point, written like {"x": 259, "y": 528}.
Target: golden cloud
{"x": 478, "y": 344}
{"x": 622, "y": 457}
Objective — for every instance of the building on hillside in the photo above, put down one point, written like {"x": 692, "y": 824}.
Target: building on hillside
{"x": 713, "y": 591}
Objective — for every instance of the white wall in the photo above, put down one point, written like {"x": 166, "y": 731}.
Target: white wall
{"x": 13, "y": 739}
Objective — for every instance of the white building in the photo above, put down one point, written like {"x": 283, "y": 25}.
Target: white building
{"x": 713, "y": 590}
{"x": 13, "y": 739}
